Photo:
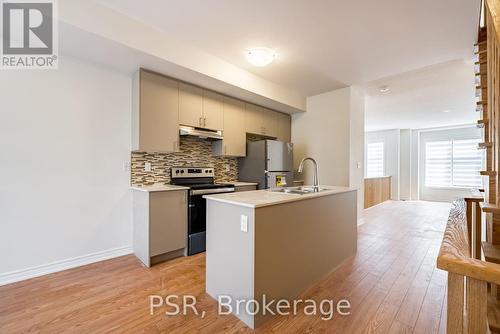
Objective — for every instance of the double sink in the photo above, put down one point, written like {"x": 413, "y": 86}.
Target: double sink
{"x": 304, "y": 190}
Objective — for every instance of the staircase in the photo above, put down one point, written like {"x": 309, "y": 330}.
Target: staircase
{"x": 470, "y": 250}
{"x": 487, "y": 67}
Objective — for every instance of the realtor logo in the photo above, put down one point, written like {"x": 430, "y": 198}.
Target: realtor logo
{"x": 29, "y": 34}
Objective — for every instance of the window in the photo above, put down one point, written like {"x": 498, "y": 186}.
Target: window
{"x": 375, "y": 159}
{"x": 453, "y": 163}
{"x": 467, "y": 163}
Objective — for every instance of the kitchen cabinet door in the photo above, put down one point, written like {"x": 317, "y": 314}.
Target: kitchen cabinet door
{"x": 213, "y": 111}
{"x": 254, "y": 119}
{"x": 190, "y": 105}
{"x": 270, "y": 123}
{"x": 261, "y": 121}
{"x": 168, "y": 221}
{"x": 284, "y": 127}
{"x": 156, "y": 113}
{"x": 234, "y": 142}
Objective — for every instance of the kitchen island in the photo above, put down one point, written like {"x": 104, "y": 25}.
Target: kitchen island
{"x": 275, "y": 244}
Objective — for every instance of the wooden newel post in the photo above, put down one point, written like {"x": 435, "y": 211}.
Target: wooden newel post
{"x": 455, "y": 320}
{"x": 476, "y": 296}
{"x": 478, "y": 231}
{"x": 468, "y": 213}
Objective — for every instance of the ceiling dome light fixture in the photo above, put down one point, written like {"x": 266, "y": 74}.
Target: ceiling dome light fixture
{"x": 384, "y": 89}
{"x": 260, "y": 56}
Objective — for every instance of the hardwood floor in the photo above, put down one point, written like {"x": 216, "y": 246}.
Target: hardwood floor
{"x": 392, "y": 283}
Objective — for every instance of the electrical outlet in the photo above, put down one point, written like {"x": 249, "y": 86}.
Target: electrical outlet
{"x": 244, "y": 223}
{"x": 359, "y": 165}
{"x": 147, "y": 166}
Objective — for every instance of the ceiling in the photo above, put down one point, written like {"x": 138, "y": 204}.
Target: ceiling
{"x": 323, "y": 44}
{"x": 419, "y": 98}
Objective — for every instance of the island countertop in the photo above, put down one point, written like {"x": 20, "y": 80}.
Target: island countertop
{"x": 260, "y": 198}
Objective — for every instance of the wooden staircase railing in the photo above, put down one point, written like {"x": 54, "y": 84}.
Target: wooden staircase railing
{"x": 474, "y": 223}
{"x": 468, "y": 276}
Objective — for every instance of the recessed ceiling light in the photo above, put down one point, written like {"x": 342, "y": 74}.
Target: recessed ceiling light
{"x": 260, "y": 56}
{"x": 384, "y": 89}
{"x": 446, "y": 110}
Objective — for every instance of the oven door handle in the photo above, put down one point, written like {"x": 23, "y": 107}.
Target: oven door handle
{"x": 211, "y": 191}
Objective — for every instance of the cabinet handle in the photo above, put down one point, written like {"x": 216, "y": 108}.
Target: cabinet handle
{"x": 200, "y": 122}
{"x": 204, "y": 121}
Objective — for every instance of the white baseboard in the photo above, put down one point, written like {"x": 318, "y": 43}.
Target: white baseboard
{"x": 23, "y": 274}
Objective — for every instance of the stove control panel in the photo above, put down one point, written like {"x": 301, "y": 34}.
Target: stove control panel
{"x": 178, "y": 172}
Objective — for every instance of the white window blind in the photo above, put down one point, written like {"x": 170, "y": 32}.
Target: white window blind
{"x": 453, "y": 163}
{"x": 467, "y": 163}
{"x": 438, "y": 166}
{"x": 375, "y": 159}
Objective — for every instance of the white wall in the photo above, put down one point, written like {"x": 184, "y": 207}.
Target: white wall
{"x": 323, "y": 133}
{"x": 357, "y": 145}
{"x": 405, "y": 152}
{"x": 64, "y": 197}
{"x": 331, "y": 131}
{"x": 415, "y": 163}
{"x": 391, "y": 155}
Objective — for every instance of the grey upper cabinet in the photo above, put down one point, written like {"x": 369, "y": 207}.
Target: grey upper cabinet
{"x": 155, "y": 120}
{"x": 213, "y": 110}
{"x": 253, "y": 119}
{"x": 190, "y": 105}
{"x": 271, "y": 122}
{"x": 200, "y": 108}
{"x": 234, "y": 142}
{"x": 161, "y": 104}
{"x": 284, "y": 127}
{"x": 261, "y": 121}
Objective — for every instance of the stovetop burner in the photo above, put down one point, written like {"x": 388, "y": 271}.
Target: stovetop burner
{"x": 196, "y": 178}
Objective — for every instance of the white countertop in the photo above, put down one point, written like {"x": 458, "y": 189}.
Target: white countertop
{"x": 243, "y": 184}
{"x": 159, "y": 187}
{"x": 260, "y": 198}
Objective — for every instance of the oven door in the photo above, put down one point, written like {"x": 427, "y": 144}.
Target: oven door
{"x": 197, "y": 215}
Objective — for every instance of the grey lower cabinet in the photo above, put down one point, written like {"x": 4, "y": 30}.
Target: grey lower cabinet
{"x": 160, "y": 225}
{"x": 245, "y": 187}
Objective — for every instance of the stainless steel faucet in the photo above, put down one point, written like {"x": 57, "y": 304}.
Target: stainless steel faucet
{"x": 315, "y": 178}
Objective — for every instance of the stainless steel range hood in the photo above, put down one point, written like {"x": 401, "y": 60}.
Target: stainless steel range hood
{"x": 201, "y": 133}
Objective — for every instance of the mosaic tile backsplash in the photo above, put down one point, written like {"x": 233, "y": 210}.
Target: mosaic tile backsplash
{"x": 193, "y": 152}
